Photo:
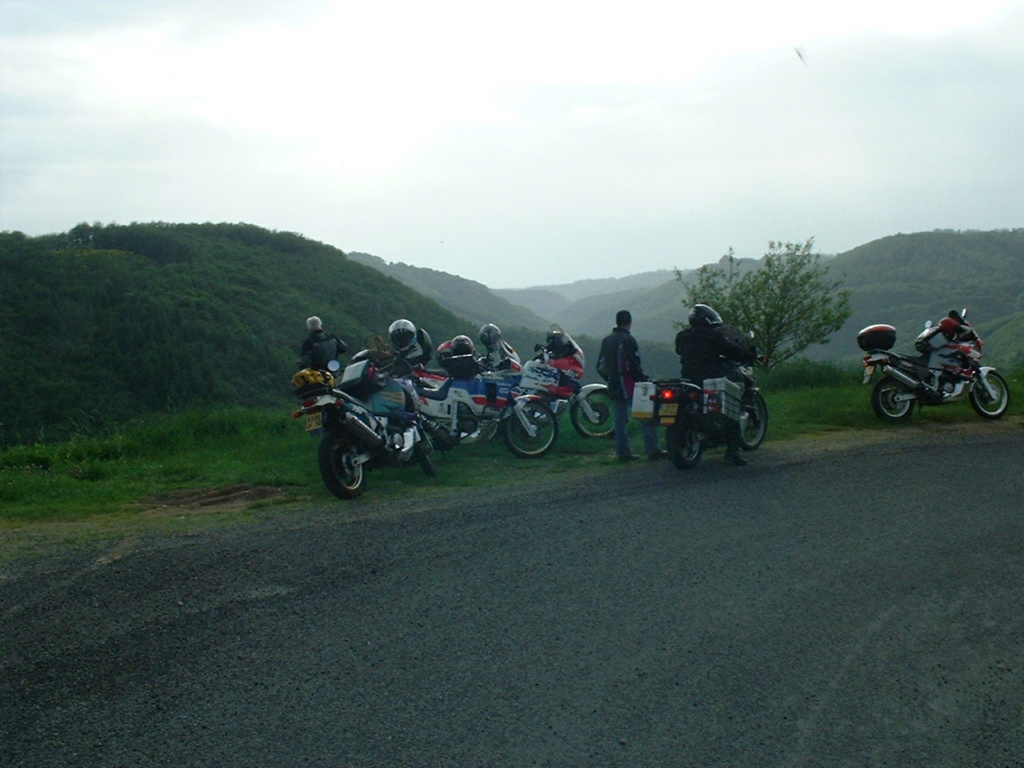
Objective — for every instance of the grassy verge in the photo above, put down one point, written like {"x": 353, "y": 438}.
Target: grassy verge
{"x": 151, "y": 460}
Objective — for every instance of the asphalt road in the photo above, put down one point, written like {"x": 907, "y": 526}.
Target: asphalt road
{"x": 860, "y": 606}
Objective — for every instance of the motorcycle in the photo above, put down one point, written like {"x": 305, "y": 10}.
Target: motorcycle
{"x": 365, "y": 420}
{"x": 474, "y": 406}
{"x": 554, "y": 376}
{"x": 696, "y": 416}
{"x": 947, "y": 369}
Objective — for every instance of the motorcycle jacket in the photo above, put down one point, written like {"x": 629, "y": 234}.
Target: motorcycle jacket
{"x": 319, "y": 348}
{"x": 705, "y": 354}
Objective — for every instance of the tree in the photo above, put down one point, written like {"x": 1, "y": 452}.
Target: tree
{"x": 789, "y": 300}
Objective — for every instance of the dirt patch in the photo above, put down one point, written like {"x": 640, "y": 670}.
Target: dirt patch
{"x": 229, "y": 498}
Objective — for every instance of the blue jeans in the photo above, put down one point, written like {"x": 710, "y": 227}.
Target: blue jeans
{"x": 647, "y": 427}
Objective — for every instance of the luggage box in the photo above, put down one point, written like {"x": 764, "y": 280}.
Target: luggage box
{"x": 723, "y": 397}
{"x": 877, "y": 337}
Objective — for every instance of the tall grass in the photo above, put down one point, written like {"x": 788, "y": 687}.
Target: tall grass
{"x": 127, "y": 469}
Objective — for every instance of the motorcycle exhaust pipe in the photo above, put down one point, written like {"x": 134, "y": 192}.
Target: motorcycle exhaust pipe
{"x": 901, "y": 377}
{"x": 362, "y": 433}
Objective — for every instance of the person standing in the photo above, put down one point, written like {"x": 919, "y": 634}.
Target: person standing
{"x": 319, "y": 347}
{"x": 620, "y": 362}
{"x": 704, "y": 353}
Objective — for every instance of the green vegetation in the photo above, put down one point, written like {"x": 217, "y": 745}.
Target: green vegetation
{"x": 147, "y": 463}
{"x": 104, "y": 323}
{"x": 789, "y": 301}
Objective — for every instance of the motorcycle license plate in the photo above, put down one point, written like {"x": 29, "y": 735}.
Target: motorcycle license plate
{"x": 668, "y": 409}
{"x": 313, "y": 421}
{"x": 869, "y": 371}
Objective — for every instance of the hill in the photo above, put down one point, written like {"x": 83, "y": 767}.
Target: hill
{"x": 107, "y": 322}
{"x": 906, "y": 279}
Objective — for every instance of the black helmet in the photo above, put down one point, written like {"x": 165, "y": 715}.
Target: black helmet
{"x": 556, "y": 343}
{"x": 490, "y": 335}
{"x": 402, "y": 333}
{"x": 703, "y": 316}
{"x": 462, "y": 345}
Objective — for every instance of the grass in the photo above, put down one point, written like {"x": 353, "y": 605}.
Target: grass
{"x": 128, "y": 470}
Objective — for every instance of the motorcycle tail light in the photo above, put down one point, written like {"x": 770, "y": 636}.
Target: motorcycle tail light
{"x": 667, "y": 394}
{"x": 309, "y": 403}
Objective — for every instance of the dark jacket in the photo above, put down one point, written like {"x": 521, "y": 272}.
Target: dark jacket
{"x": 319, "y": 348}
{"x": 706, "y": 354}
{"x": 622, "y": 354}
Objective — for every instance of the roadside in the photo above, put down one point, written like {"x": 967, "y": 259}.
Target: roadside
{"x": 192, "y": 512}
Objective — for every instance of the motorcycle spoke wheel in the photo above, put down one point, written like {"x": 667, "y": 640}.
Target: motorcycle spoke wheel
{"x": 518, "y": 440}
{"x": 885, "y": 405}
{"x": 755, "y": 426}
{"x": 603, "y": 416}
{"x": 986, "y": 406}
{"x": 341, "y": 474}
{"x": 682, "y": 442}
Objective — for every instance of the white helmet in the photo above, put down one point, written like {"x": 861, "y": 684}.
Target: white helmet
{"x": 402, "y": 333}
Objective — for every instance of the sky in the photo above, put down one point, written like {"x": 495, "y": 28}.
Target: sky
{"x": 534, "y": 143}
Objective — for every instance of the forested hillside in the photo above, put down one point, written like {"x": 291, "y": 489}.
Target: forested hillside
{"x": 105, "y": 322}
{"x": 907, "y": 279}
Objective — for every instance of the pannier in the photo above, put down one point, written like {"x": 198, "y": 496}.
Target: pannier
{"x": 724, "y": 397}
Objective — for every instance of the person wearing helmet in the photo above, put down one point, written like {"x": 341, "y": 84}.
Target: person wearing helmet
{"x": 706, "y": 354}
{"x": 498, "y": 353}
{"x": 319, "y": 347}
{"x": 621, "y": 356}
{"x": 413, "y": 346}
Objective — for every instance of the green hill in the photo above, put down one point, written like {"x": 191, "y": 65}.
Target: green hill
{"x": 905, "y": 280}
{"x": 106, "y": 322}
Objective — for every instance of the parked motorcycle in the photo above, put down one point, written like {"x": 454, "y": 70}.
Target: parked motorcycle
{"x": 697, "y": 416}
{"x": 946, "y": 369}
{"x": 555, "y": 375}
{"x": 365, "y": 420}
{"x": 473, "y": 408}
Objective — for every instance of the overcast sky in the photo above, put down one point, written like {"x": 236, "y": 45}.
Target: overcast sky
{"x": 517, "y": 144}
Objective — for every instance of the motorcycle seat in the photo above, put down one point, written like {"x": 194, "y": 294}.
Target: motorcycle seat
{"x": 430, "y": 393}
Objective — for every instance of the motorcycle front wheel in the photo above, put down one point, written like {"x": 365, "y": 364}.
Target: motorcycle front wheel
{"x": 600, "y": 421}
{"x": 341, "y": 474}
{"x": 885, "y": 405}
{"x": 755, "y": 426}
{"x": 544, "y": 424}
{"x": 682, "y": 442}
{"x": 986, "y": 406}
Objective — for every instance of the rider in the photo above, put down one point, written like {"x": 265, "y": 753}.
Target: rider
{"x": 319, "y": 347}
{"x": 413, "y": 346}
{"x": 499, "y": 354}
{"x": 706, "y": 354}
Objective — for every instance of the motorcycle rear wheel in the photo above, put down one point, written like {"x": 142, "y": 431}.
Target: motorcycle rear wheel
{"x": 518, "y": 440}
{"x": 683, "y": 444}
{"x": 883, "y": 404}
{"x": 601, "y": 404}
{"x": 986, "y": 407}
{"x": 753, "y": 433}
{"x": 342, "y": 476}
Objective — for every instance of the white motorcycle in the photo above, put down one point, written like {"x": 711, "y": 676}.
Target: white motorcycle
{"x": 554, "y": 376}
{"x": 947, "y": 370}
{"x": 462, "y": 411}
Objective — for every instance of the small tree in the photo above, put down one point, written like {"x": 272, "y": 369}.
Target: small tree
{"x": 788, "y": 301}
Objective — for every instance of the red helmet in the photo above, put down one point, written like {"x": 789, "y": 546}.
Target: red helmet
{"x": 949, "y": 327}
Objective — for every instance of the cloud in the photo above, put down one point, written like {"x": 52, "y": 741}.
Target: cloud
{"x": 549, "y": 139}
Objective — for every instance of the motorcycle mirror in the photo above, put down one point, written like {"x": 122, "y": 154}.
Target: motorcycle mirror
{"x": 963, "y": 313}
{"x": 333, "y": 366}
{"x": 927, "y": 323}
{"x": 750, "y": 333}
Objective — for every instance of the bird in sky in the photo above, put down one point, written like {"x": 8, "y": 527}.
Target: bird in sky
{"x": 800, "y": 55}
